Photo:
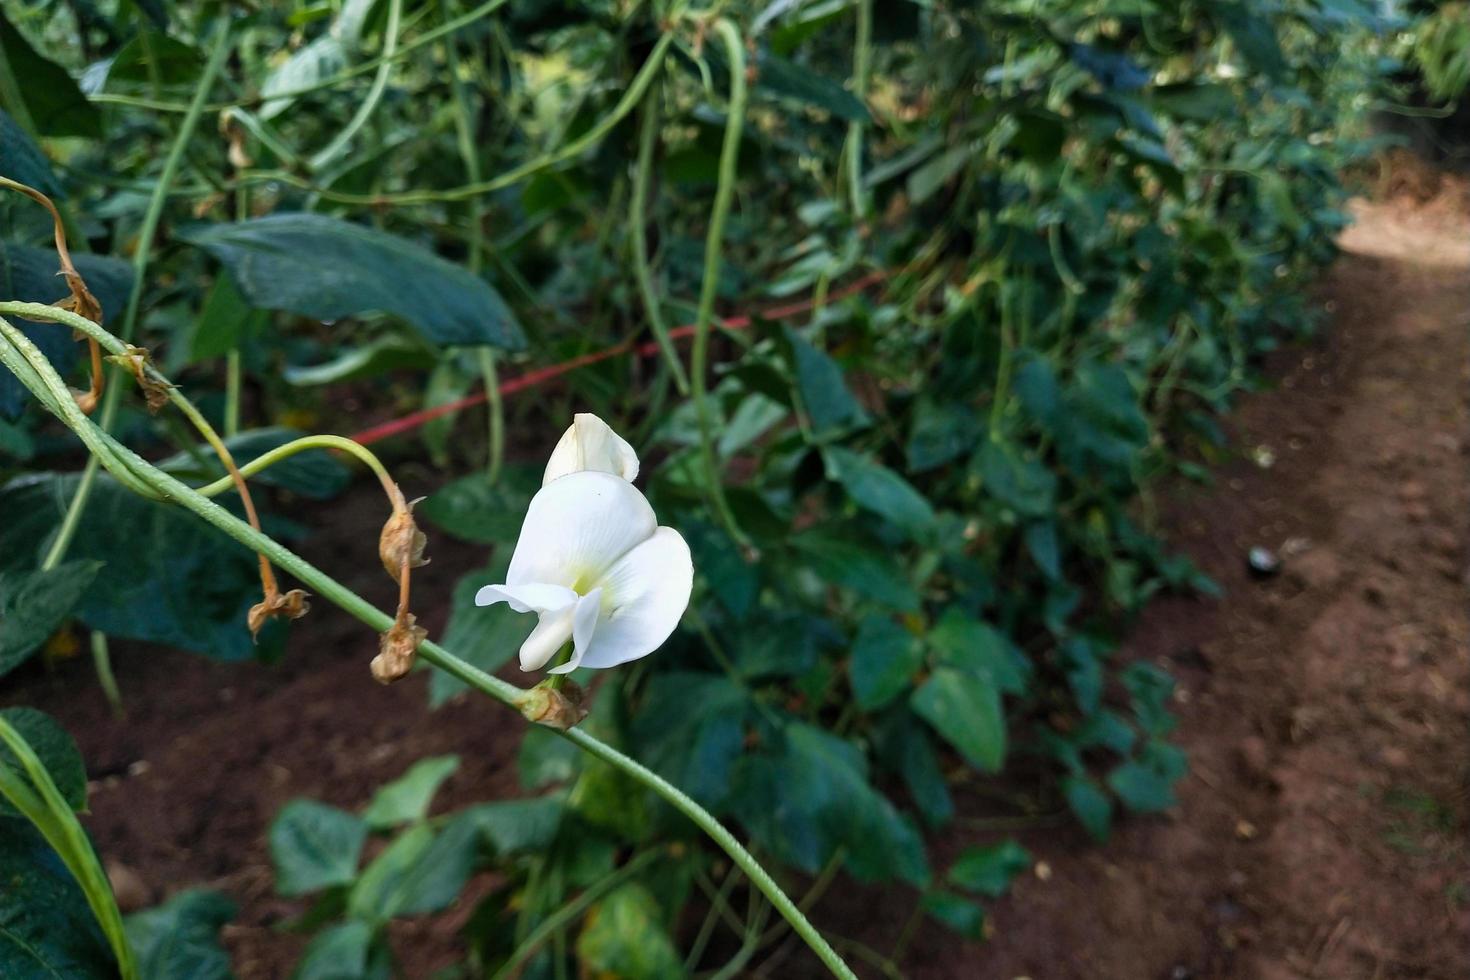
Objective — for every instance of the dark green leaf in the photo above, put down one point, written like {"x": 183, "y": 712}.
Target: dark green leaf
{"x": 377, "y": 895}
{"x": 369, "y": 360}
{"x": 942, "y": 432}
{"x": 1090, "y": 804}
{"x": 29, "y": 275}
{"x": 1197, "y": 103}
{"x": 474, "y": 509}
{"x": 1142, "y": 788}
{"x": 180, "y": 940}
{"x": 47, "y": 930}
{"x": 885, "y": 657}
{"x": 546, "y": 758}
{"x": 990, "y": 870}
{"x": 863, "y": 568}
{"x": 339, "y": 953}
{"x": 315, "y": 846}
{"x": 56, "y": 750}
{"x": 960, "y": 914}
{"x": 34, "y": 604}
{"x": 407, "y": 798}
{"x": 967, "y": 644}
{"x": 1041, "y": 543}
{"x": 168, "y": 577}
{"x": 824, "y": 394}
{"x": 802, "y": 84}
{"x": 226, "y": 321}
{"x": 879, "y": 489}
{"x": 486, "y": 636}
{"x": 1254, "y": 35}
{"x": 1016, "y": 481}
{"x": 518, "y": 826}
{"x": 154, "y": 57}
{"x": 691, "y": 731}
{"x": 967, "y": 712}
{"x": 326, "y": 268}
{"x": 21, "y": 159}
{"x": 52, "y": 100}
{"x": 422, "y": 871}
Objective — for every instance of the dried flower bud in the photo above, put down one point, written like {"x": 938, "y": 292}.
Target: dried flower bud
{"x": 137, "y": 361}
{"x": 555, "y": 707}
{"x": 396, "y": 650}
{"x": 292, "y": 605}
{"x": 401, "y": 538}
{"x": 81, "y": 301}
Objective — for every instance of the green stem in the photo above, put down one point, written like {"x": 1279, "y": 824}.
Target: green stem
{"x": 102, "y": 661}
{"x": 464, "y": 130}
{"x": 141, "y": 257}
{"x": 569, "y": 912}
{"x": 637, "y": 219}
{"x": 232, "y": 392}
{"x": 49, "y": 811}
{"x": 375, "y": 93}
{"x": 17, "y": 350}
{"x": 862, "y": 54}
{"x": 713, "y": 246}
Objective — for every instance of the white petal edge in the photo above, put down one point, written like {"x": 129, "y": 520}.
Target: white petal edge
{"x": 591, "y": 444}
{"x": 555, "y": 605}
{"x": 577, "y": 528}
{"x": 526, "y": 597}
{"x": 649, "y": 590}
{"x": 584, "y": 627}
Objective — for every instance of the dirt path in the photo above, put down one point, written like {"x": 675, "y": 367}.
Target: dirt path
{"x": 1321, "y": 832}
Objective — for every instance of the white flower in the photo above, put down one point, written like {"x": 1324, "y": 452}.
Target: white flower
{"x": 590, "y": 444}
{"x": 592, "y": 561}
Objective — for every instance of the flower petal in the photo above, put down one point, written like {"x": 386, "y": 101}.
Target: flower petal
{"x": 649, "y": 591}
{"x": 590, "y": 444}
{"x": 577, "y": 527}
{"x": 524, "y": 598}
{"x": 584, "y": 628}
{"x": 555, "y": 604}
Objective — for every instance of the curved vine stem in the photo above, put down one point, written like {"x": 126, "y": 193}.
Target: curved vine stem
{"x": 369, "y": 104}
{"x": 37, "y": 374}
{"x": 713, "y": 247}
{"x": 638, "y": 237}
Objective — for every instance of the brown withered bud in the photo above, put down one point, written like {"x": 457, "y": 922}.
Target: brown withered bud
{"x": 81, "y": 301}
{"x": 559, "y": 708}
{"x": 396, "y": 650}
{"x": 155, "y": 389}
{"x": 401, "y": 538}
{"x": 292, "y": 605}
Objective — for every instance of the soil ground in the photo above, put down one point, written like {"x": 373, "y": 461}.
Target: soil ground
{"x": 1321, "y": 832}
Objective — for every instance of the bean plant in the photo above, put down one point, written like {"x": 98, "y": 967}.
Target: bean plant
{"x": 897, "y": 314}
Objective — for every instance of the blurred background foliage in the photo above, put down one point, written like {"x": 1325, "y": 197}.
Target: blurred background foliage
{"x": 1028, "y": 252}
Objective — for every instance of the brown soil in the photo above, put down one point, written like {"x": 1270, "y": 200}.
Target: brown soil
{"x": 1320, "y": 833}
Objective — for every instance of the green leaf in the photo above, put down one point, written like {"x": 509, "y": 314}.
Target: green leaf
{"x": 1197, "y": 103}
{"x": 47, "y": 930}
{"x": 907, "y": 748}
{"x": 545, "y": 758}
{"x": 990, "y": 870}
{"x": 861, "y": 567}
{"x": 1255, "y": 37}
{"x": 1090, "y": 805}
{"x": 1042, "y": 545}
{"x": 824, "y": 394}
{"x": 926, "y": 180}
{"x": 56, "y": 750}
{"x": 225, "y": 322}
{"x": 34, "y": 604}
{"x": 21, "y": 159}
{"x": 180, "y": 940}
{"x": 967, "y": 644}
{"x": 1142, "y": 788}
{"x": 800, "y": 83}
{"x": 52, "y": 99}
{"x": 518, "y": 826}
{"x": 960, "y": 914}
{"x": 942, "y": 432}
{"x": 326, "y": 268}
{"x": 167, "y": 577}
{"x": 315, "y": 846}
{"x": 29, "y": 276}
{"x": 476, "y": 510}
{"x": 338, "y": 953}
{"x": 623, "y": 936}
{"x": 967, "y": 712}
{"x": 885, "y": 657}
{"x": 879, "y": 489}
{"x": 422, "y": 871}
{"x": 154, "y": 57}
{"x": 691, "y": 730}
{"x": 407, "y": 798}
{"x": 1016, "y": 481}
{"x": 814, "y": 796}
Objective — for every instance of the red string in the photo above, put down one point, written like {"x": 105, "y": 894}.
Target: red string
{"x": 541, "y": 375}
